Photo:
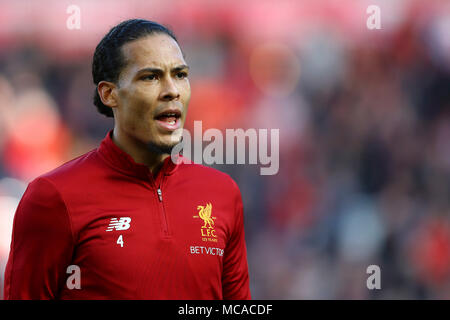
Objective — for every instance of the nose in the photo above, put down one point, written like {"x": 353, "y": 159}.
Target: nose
{"x": 169, "y": 90}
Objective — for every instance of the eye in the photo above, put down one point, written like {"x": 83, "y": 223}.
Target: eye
{"x": 150, "y": 77}
{"x": 181, "y": 75}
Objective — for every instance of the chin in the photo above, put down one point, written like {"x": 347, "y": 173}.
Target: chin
{"x": 161, "y": 148}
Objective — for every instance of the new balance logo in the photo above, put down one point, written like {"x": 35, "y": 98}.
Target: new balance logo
{"x": 121, "y": 224}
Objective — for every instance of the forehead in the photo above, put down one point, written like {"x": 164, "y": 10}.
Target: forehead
{"x": 156, "y": 50}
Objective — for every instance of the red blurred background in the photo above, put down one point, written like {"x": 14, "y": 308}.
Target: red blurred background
{"x": 364, "y": 119}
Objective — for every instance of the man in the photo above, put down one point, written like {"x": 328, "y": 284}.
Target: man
{"x": 133, "y": 223}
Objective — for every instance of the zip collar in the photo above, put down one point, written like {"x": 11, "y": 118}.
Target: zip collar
{"x": 123, "y": 162}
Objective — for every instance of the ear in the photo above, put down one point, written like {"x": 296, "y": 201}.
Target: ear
{"x": 107, "y": 92}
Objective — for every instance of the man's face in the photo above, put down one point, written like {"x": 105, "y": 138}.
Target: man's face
{"x": 153, "y": 92}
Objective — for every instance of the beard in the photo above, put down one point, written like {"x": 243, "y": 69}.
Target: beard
{"x": 160, "y": 148}
{"x": 163, "y": 148}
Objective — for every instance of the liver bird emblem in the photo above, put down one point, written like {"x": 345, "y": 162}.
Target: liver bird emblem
{"x": 205, "y": 213}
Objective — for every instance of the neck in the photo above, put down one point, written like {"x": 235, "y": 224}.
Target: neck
{"x": 139, "y": 151}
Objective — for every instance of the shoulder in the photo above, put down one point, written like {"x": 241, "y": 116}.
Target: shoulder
{"x": 205, "y": 174}
{"x": 65, "y": 179}
{"x": 77, "y": 168}
{"x": 52, "y": 190}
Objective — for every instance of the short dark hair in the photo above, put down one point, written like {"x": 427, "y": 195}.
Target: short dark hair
{"x": 108, "y": 60}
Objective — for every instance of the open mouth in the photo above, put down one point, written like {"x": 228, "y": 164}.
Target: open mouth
{"x": 169, "y": 119}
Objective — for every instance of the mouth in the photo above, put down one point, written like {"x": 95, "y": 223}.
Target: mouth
{"x": 169, "y": 119}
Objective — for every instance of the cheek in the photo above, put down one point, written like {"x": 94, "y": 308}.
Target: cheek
{"x": 186, "y": 96}
{"x": 138, "y": 103}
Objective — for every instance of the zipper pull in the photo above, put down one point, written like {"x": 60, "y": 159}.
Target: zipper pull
{"x": 159, "y": 194}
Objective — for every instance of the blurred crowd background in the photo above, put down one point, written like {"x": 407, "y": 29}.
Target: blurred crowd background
{"x": 364, "y": 119}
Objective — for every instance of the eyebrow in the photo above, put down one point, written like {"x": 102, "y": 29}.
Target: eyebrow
{"x": 160, "y": 71}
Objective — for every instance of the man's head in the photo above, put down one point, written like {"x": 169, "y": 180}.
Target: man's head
{"x": 141, "y": 79}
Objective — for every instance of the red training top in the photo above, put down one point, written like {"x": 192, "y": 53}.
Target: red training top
{"x": 132, "y": 236}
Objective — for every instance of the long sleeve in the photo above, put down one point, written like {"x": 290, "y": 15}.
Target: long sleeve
{"x": 235, "y": 278}
{"x": 42, "y": 244}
